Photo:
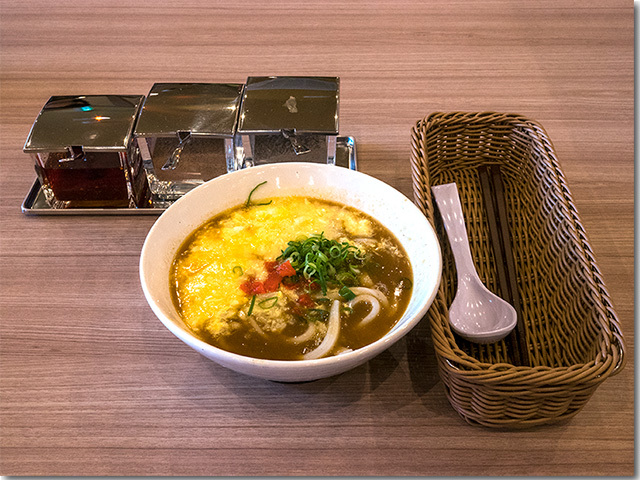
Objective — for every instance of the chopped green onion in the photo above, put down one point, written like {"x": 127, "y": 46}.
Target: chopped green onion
{"x": 309, "y": 270}
{"x": 405, "y": 283}
{"x": 347, "y": 278}
{"x": 253, "y": 302}
{"x": 346, "y": 293}
{"x": 316, "y": 314}
{"x": 318, "y": 310}
{"x": 327, "y": 262}
{"x": 322, "y": 256}
{"x": 248, "y": 204}
{"x": 238, "y": 270}
{"x": 268, "y": 303}
{"x": 294, "y": 257}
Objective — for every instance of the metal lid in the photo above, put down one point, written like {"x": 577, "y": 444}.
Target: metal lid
{"x": 298, "y": 104}
{"x": 93, "y": 122}
{"x": 199, "y": 108}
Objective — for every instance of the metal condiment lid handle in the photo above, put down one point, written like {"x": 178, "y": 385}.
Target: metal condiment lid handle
{"x": 172, "y": 161}
{"x": 298, "y": 148}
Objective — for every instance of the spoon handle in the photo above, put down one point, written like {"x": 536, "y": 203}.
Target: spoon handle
{"x": 448, "y": 201}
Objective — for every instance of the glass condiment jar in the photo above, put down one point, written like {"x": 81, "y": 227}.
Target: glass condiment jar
{"x": 83, "y": 154}
{"x": 185, "y": 133}
{"x": 288, "y": 119}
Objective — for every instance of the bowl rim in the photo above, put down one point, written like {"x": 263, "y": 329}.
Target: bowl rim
{"x": 227, "y": 358}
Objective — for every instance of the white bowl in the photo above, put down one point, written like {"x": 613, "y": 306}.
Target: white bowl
{"x": 366, "y": 193}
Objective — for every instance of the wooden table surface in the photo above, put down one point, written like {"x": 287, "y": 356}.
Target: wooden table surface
{"x": 91, "y": 383}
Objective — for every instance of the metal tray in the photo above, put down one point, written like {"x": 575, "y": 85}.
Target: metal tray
{"x": 35, "y": 203}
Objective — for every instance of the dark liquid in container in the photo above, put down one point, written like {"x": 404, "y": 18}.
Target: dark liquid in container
{"x": 88, "y": 186}
{"x": 97, "y": 180}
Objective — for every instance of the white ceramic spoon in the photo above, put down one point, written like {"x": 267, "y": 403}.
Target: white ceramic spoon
{"x": 475, "y": 314}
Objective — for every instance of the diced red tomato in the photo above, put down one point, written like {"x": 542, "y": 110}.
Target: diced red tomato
{"x": 272, "y": 282}
{"x": 285, "y": 269}
{"x": 306, "y": 301}
{"x": 275, "y": 273}
{"x": 270, "y": 266}
{"x": 252, "y": 287}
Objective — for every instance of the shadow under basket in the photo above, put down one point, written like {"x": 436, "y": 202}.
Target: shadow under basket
{"x": 570, "y": 336}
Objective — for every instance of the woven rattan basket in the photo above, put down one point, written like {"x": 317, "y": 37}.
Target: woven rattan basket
{"x": 572, "y": 337}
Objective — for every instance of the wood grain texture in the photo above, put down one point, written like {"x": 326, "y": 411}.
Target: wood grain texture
{"x": 90, "y": 381}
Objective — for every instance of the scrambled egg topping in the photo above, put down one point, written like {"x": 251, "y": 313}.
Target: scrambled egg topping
{"x": 207, "y": 277}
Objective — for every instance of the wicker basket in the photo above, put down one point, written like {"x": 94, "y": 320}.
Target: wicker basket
{"x": 572, "y": 336}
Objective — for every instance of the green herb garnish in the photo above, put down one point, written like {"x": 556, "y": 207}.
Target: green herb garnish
{"x": 253, "y": 302}
{"x": 238, "y": 270}
{"x": 326, "y": 262}
{"x": 268, "y": 303}
{"x": 316, "y": 315}
{"x": 248, "y": 203}
{"x": 346, "y": 293}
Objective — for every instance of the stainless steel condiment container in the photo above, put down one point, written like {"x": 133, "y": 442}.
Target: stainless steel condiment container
{"x": 83, "y": 154}
{"x": 287, "y": 119}
{"x": 185, "y": 133}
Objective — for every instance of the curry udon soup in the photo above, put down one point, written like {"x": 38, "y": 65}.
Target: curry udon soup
{"x": 291, "y": 278}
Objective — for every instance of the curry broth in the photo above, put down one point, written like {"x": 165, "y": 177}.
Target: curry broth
{"x": 218, "y": 260}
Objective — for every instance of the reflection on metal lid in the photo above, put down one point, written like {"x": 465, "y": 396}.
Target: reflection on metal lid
{"x": 298, "y": 104}
{"x": 94, "y": 122}
{"x": 200, "y": 108}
